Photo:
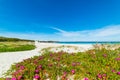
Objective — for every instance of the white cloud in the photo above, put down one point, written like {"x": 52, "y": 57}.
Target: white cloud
{"x": 65, "y": 33}
{"x": 107, "y": 33}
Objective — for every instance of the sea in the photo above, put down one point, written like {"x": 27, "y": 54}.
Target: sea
{"x": 89, "y": 42}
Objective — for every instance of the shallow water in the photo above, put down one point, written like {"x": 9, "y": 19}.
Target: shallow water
{"x": 104, "y": 42}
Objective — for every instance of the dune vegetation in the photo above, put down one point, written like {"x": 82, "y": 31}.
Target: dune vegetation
{"x": 94, "y": 64}
{"x": 16, "y": 46}
{"x": 7, "y": 39}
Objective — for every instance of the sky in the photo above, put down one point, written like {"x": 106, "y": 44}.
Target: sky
{"x": 61, "y": 20}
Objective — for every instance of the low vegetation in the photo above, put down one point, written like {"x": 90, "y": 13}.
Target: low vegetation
{"x": 95, "y": 64}
{"x": 16, "y": 46}
{"x": 6, "y": 39}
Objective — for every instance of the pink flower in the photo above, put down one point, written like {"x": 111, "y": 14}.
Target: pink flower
{"x": 36, "y": 76}
{"x": 104, "y": 75}
{"x": 35, "y": 62}
{"x": 58, "y": 59}
{"x": 104, "y": 55}
{"x": 73, "y": 71}
{"x": 36, "y": 71}
{"x": 13, "y": 79}
{"x": 86, "y": 79}
{"x": 19, "y": 77}
{"x": 17, "y": 65}
{"x": 20, "y": 71}
{"x": 15, "y": 73}
{"x": 8, "y": 78}
{"x": 22, "y": 67}
{"x": 118, "y": 73}
{"x": 50, "y": 65}
{"x": 74, "y": 64}
{"x": 113, "y": 71}
{"x": 78, "y": 63}
{"x": 99, "y": 76}
{"x": 40, "y": 66}
{"x": 51, "y": 54}
{"x": 41, "y": 57}
{"x": 65, "y": 73}
{"x": 117, "y": 59}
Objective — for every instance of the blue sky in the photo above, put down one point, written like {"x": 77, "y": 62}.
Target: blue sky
{"x": 63, "y": 20}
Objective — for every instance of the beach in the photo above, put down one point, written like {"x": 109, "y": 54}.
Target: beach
{"x": 9, "y": 58}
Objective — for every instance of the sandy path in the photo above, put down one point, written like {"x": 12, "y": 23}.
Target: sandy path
{"x": 9, "y": 58}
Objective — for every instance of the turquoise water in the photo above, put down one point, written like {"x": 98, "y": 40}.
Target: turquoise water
{"x": 89, "y": 42}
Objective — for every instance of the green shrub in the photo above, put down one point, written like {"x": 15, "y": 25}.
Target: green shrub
{"x": 15, "y": 46}
{"x": 93, "y": 65}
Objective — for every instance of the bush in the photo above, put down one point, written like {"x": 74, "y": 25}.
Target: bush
{"x": 90, "y": 65}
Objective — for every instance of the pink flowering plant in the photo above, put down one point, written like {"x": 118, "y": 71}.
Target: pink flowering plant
{"x": 95, "y": 64}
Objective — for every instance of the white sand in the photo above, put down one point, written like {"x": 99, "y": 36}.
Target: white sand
{"x": 70, "y": 48}
{"x": 9, "y": 58}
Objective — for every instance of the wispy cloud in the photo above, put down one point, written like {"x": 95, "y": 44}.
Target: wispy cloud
{"x": 65, "y": 33}
{"x": 102, "y": 32}
{"x": 110, "y": 32}
{"x": 107, "y": 33}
